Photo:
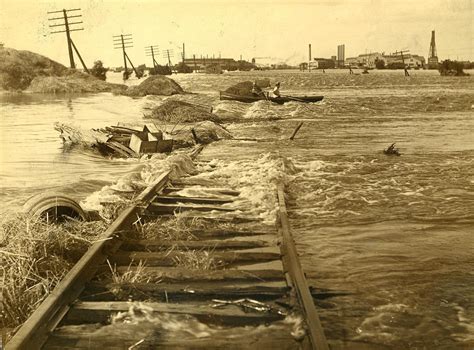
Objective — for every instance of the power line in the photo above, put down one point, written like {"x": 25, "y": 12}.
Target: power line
{"x": 68, "y": 28}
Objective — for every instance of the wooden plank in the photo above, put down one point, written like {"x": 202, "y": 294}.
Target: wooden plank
{"x": 124, "y": 336}
{"x": 168, "y": 274}
{"x": 118, "y": 147}
{"x": 231, "y": 315}
{"x": 162, "y": 208}
{"x": 219, "y": 244}
{"x": 189, "y": 291}
{"x": 292, "y": 265}
{"x": 34, "y": 331}
{"x": 197, "y": 200}
{"x": 234, "y": 219}
{"x": 168, "y": 258}
{"x": 209, "y": 190}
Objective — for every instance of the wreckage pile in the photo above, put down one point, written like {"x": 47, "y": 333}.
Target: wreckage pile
{"x": 121, "y": 141}
{"x": 174, "y": 111}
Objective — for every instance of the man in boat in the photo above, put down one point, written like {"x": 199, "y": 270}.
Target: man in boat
{"x": 257, "y": 90}
{"x": 276, "y": 90}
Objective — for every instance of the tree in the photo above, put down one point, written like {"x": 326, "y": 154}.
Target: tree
{"x": 379, "y": 64}
{"x": 98, "y": 70}
{"x": 453, "y": 68}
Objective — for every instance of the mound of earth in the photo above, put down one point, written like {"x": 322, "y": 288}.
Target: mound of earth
{"x": 245, "y": 88}
{"x": 155, "y": 85}
{"x": 18, "y": 68}
{"x": 182, "y": 112}
{"x": 25, "y": 70}
{"x": 73, "y": 83}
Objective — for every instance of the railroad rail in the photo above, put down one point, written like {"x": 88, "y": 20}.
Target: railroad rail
{"x": 256, "y": 298}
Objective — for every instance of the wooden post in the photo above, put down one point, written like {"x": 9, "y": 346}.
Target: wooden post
{"x": 296, "y": 130}
{"x": 124, "y": 59}
{"x": 293, "y": 267}
{"x": 133, "y": 67}
{"x": 169, "y": 60}
{"x": 153, "y": 57}
{"x": 80, "y": 57}
{"x": 68, "y": 36}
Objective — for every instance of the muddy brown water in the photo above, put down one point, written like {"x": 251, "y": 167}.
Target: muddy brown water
{"x": 394, "y": 234}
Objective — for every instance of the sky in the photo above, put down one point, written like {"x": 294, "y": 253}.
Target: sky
{"x": 277, "y": 31}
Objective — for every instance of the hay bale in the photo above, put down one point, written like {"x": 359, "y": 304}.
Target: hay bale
{"x": 155, "y": 85}
{"x": 174, "y": 111}
{"x": 245, "y": 88}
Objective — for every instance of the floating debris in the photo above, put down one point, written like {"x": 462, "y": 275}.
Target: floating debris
{"x": 392, "y": 150}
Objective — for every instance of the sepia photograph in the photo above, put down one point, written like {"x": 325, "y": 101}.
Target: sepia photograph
{"x": 237, "y": 174}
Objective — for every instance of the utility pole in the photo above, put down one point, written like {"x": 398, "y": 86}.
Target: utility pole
{"x": 167, "y": 55}
{"x": 401, "y": 52}
{"x": 150, "y": 51}
{"x": 122, "y": 42}
{"x": 194, "y": 59}
{"x": 68, "y": 28}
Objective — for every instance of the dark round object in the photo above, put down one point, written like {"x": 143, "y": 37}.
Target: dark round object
{"x": 54, "y": 207}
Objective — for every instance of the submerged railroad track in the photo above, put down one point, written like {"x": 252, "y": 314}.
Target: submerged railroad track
{"x": 135, "y": 292}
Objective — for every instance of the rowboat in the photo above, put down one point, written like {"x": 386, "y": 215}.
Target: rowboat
{"x": 280, "y": 100}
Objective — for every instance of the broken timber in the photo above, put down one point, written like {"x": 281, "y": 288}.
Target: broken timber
{"x": 254, "y": 284}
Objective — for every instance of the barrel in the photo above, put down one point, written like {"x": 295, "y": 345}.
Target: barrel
{"x": 54, "y": 207}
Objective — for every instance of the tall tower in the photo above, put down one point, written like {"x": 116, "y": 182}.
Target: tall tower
{"x": 341, "y": 55}
{"x": 432, "y": 55}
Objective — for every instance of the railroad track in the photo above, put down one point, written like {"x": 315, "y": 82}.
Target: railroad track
{"x": 131, "y": 292}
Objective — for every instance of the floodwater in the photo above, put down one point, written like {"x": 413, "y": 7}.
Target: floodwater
{"x": 394, "y": 235}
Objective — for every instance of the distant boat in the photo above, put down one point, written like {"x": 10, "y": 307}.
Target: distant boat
{"x": 280, "y": 100}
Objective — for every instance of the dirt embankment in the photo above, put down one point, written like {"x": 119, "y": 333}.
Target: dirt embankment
{"x": 28, "y": 71}
{"x": 24, "y": 70}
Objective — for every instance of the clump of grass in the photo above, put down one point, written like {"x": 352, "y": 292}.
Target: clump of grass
{"x": 35, "y": 256}
{"x": 178, "y": 228}
{"x": 196, "y": 259}
{"x": 110, "y": 211}
{"x": 134, "y": 274}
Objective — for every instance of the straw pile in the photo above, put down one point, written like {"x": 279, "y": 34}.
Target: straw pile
{"x": 35, "y": 256}
{"x": 174, "y": 111}
{"x": 155, "y": 85}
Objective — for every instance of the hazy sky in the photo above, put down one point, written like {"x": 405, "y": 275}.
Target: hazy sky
{"x": 260, "y": 28}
